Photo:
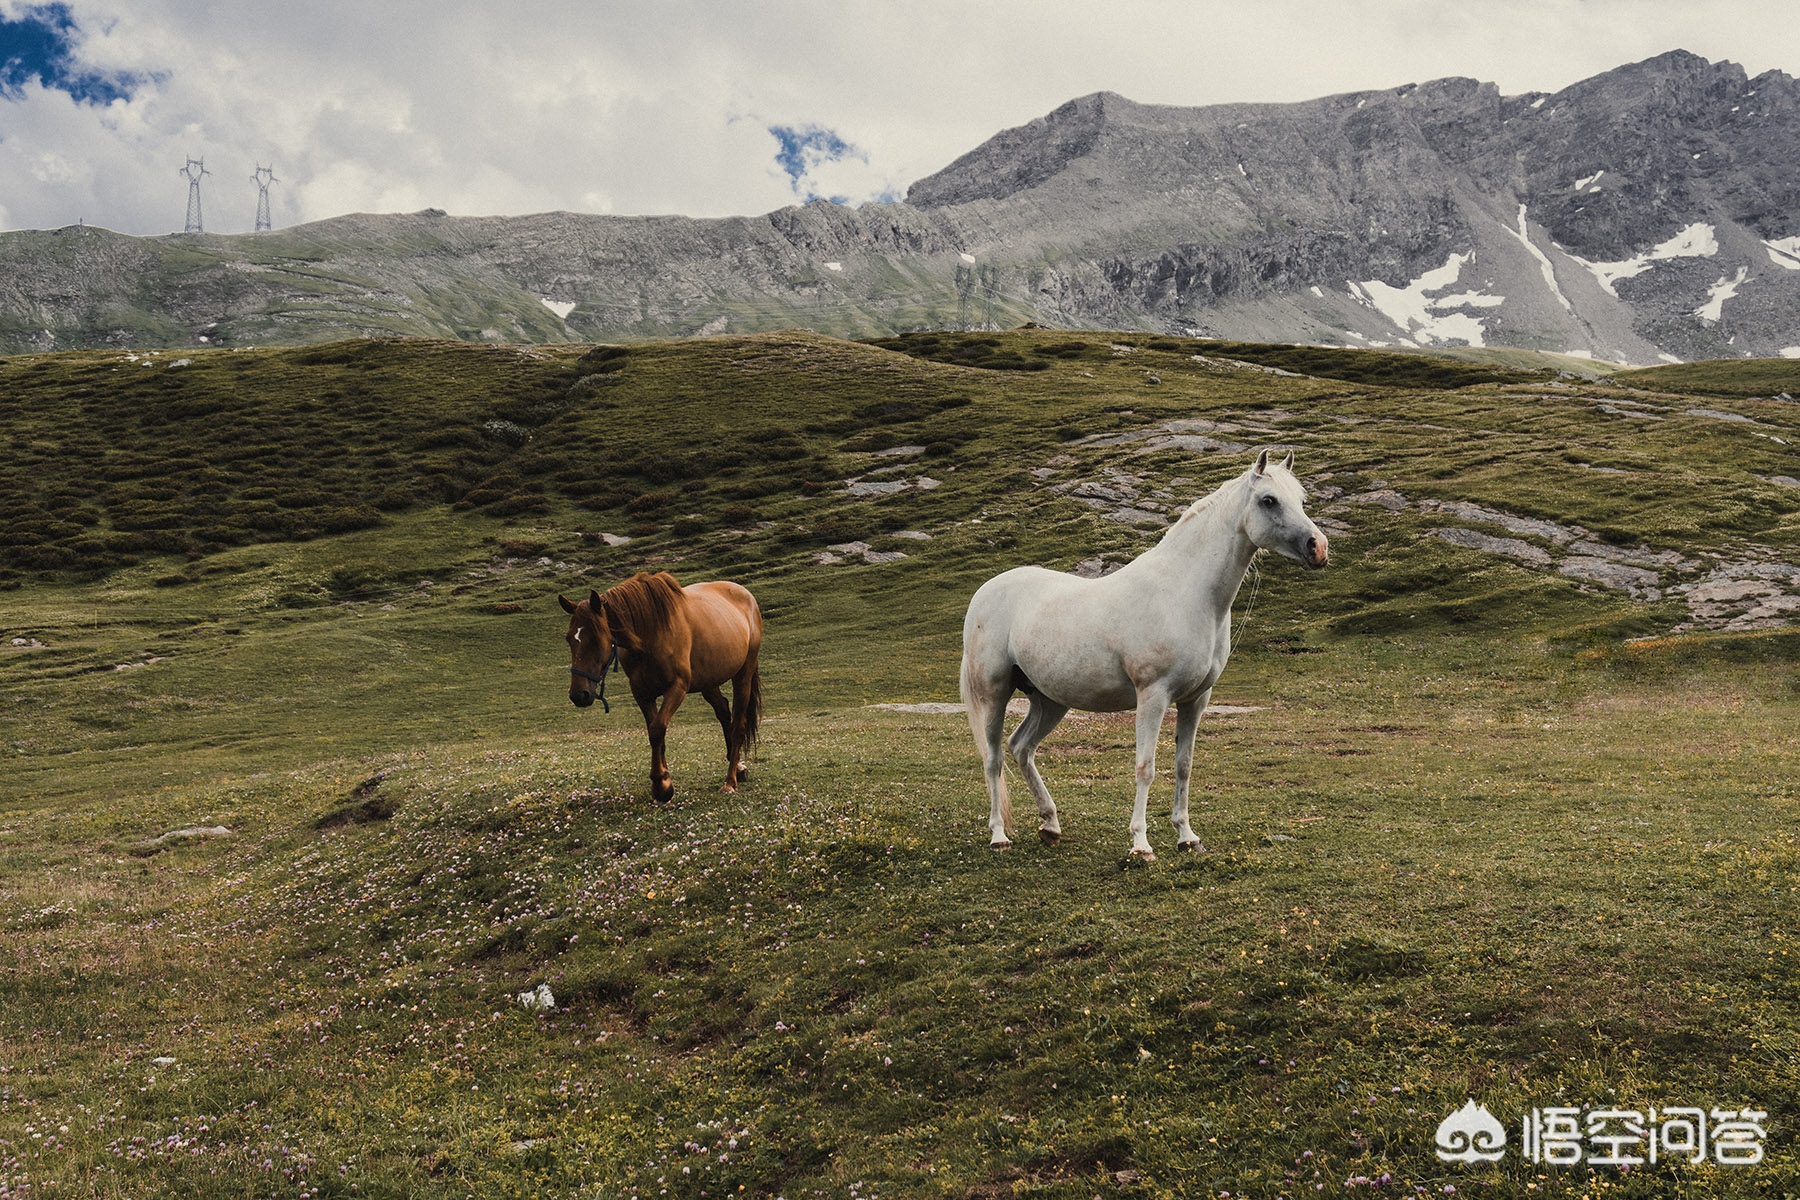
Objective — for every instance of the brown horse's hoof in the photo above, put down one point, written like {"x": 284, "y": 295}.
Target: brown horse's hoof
{"x": 1049, "y": 837}
{"x": 728, "y": 789}
{"x": 662, "y": 793}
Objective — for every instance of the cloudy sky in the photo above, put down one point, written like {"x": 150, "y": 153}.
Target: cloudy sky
{"x": 701, "y": 107}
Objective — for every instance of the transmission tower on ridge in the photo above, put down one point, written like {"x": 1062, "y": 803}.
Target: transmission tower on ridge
{"x": 262, "y": 179}
{"x": 196, "y": 167}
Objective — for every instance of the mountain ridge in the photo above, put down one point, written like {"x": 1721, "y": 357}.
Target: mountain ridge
{"x": 1646, "y": 214}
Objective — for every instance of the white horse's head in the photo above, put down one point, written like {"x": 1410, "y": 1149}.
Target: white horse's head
{"x": 1274, "y": 518}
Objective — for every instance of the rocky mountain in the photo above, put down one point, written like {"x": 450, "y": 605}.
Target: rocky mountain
{"x": 1649, "y": 213}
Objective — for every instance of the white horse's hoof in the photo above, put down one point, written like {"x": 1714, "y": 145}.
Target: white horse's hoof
{"x": 1144, "y": 855}
{"x": 1049, "y": 837}
{"x": 1192, "y": 847}
{"x": 1000, "y": 844}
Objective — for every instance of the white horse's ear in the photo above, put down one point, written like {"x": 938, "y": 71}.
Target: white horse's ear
{"x": 1287, "y": 464}
{"x": 1262, "y": 462}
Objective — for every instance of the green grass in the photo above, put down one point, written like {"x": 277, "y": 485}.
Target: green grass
{"x": 1720, "y": 377}
{"x": 1489, "y": 834}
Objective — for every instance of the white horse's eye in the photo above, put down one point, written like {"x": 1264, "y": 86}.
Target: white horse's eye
{"x": 1270, "y": 502}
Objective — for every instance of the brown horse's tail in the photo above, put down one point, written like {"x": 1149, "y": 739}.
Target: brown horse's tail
{"x": 752, "y": 708}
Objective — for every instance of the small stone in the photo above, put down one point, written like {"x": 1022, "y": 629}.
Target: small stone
{"x": 887, "y": 487}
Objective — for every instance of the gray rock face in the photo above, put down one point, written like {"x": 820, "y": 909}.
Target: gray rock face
{"x": 1647, "y": 212}
{"x": 1513, "y": 548}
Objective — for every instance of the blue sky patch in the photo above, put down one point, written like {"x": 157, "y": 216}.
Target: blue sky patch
{"x": 40, "y": 45}
{"x": 805, "y": 148}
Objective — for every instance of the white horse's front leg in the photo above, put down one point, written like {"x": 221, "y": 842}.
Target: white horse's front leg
{"x": 1152, "y": 705}
{"x": 1187, "y": 720}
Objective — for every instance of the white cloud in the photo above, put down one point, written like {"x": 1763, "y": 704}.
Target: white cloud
{"x": 647, "y": 108}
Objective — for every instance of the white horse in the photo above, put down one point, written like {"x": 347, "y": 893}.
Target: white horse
{"x": 1154, "y": 633}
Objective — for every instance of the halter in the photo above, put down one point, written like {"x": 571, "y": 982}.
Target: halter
{"x": 1250, "y": 607}
{"x": 601, "y": 677}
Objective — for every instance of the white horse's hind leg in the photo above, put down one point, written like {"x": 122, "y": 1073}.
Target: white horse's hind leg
{"x": 987, "y": 720}
{"x": 1187, "y": 720}
{"x": 993, "y": 729}
{"x": 1044, "y": 716}
{"x": 1152, "y": 704}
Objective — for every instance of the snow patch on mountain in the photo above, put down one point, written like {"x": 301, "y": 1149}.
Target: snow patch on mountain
{"x": 1425, "y": 318}
{"x": 1784, "y": 252}
{"x": 1523, "y": 234}
{"x": 1698, "y": 240}
{"x": 1718, "y": 294}
{"x": 562, "y": 308}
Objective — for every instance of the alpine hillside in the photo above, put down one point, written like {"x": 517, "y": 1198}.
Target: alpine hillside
{"x": 1648, "y": 214}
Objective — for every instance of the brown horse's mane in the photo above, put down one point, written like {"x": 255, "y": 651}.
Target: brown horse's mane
{"x": 643, "y": 608}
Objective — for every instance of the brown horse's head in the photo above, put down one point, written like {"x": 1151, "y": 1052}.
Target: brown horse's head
{"x": 591, "y": 649}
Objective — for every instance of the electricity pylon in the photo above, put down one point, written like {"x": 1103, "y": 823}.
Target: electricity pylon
{"x": 262, "y": 179}
{"x": 196, "y": 167}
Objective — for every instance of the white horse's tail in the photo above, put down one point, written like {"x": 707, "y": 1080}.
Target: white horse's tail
{"x": 971, "y": 706}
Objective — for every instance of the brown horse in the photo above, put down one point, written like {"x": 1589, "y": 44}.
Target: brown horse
{"x": 668, "y": 641}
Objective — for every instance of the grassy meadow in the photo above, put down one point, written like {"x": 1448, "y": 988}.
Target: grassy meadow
{"x": 1482, "y": 829}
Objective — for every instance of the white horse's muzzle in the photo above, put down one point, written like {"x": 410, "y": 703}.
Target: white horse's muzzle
{"x": 1318, "y": 550}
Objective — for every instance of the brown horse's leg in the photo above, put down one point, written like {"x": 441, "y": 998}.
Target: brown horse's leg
{"x": 746, "y": 703}
{"x": 722, "y": 710}
{"x": 656, "y": 724}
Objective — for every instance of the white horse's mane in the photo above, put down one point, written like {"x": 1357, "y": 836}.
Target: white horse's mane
{"x": 1206, "y": 502}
